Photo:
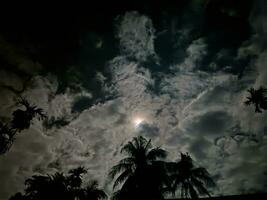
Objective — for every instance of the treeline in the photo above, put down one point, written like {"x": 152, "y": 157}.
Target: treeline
{"x": 60, "y": 186}
{"x": 143, "y": 174}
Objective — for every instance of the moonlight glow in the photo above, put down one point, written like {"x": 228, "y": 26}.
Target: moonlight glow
{"x": 174, "y": 72}
{"x": 137, "y": 122}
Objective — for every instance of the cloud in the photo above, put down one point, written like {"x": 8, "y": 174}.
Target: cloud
{"x": 210, "y": 123}
{"x": 148, "y": 130}
{"x": 196, "y": 51}
{"x": 136, "y": 36}
{"x": 191, "y": 109}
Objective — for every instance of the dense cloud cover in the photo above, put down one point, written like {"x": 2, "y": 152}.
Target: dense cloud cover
{"x": 184, "y": 75}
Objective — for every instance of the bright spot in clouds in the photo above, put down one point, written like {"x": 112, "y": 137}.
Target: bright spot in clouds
{"x": 137, "y": 121}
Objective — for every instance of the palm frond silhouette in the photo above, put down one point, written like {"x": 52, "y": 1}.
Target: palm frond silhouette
{"x": 141, "y": 174}
{"x": 191, "y": 180}
{"x": 22, "y": 118}
{"x": 258, "y": 98}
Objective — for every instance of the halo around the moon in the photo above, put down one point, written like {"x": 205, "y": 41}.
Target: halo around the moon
{"x": 138, "y": 121}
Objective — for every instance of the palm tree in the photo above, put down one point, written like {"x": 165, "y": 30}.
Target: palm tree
{"x": 191, "y": 180}
{"x": 58, "y": 186}
{"x": 258, "y": 98}
{"x": 141, "y": 173}
{"x": 37, "y": 187}
{"x": 54, "y": 186}
{"x": 75, "y": 177}
{"x": 22, "y": 118}
{"x": 93, "y": 192}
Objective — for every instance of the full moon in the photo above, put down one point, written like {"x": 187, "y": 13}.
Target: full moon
{"x": 137, "y": 122}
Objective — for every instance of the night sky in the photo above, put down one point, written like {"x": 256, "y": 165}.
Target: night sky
{"x": 173, "y": 71}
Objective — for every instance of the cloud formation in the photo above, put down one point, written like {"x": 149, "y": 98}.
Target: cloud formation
{"x": 193, "y": 110}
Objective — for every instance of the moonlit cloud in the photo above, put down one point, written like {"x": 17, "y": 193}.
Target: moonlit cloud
{"x": 190, "y": 110}
{"x": 136, "y": 34}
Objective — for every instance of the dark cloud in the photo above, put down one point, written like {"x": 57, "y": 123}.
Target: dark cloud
{"x": 211, "y": 123}
{"x": 81, "y": 103}
{"x": 148, "y": 130}
{"x": 199, "y": 148}
{"x": 55, "y": 122}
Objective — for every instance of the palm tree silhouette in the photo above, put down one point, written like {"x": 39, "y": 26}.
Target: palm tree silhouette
{"x": 192, "y": 180}
{"x": 59, "y": 186}
{"x": 141, "y": 173}
{"x": 93, "y": 192}
{"x": 75, "y": 178}
{"x": 22, "y": 118}
{"x": 37, "y": 187}
{"x": 258, "y": 98}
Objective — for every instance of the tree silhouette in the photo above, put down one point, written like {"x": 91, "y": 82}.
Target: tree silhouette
{"x": 75, "y": 178}
{"x": 22, "y": 118}
{"x": 258, "y": 98}
{"x": 191, "y": 180}
{"x": 37, "y": 187}
{"x": 59, "y": 186}
{"x": 141, "y": 174}
{"x": 92, "y": 192}
{"x": 6, "y": 137}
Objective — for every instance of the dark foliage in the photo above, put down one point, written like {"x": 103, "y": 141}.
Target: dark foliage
{"x": 6, "y": 138}
{"x": 192, "y": 181}
{"x": 22, "y": 120}
{"x": 142, "y": 174}
{"x": 258, "y": 98}
{"x": 60, "y": 186}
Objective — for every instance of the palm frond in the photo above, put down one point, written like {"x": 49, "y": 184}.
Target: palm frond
{"x": 200, "y": 188}
{"x": 177, "y": 180}
{"x": 93, "y": 192}
{"x": 127, "y": 160}
{"x": 202, "y": 174}
{"x": 116, "y": 195}
{"x": 118, "y": 168}
{"x": 129, "y": 148}
{"x": 22, "y": 101}
{"x": 122, "y": 177}
{"x": 248, "y": 101}
{"x": 78, "y": 171}
{"x": 146, "y": 146}
{"x": 40, "y": 113}
{"x": 192, "y": 191}
{"x": 156, "y": 153}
